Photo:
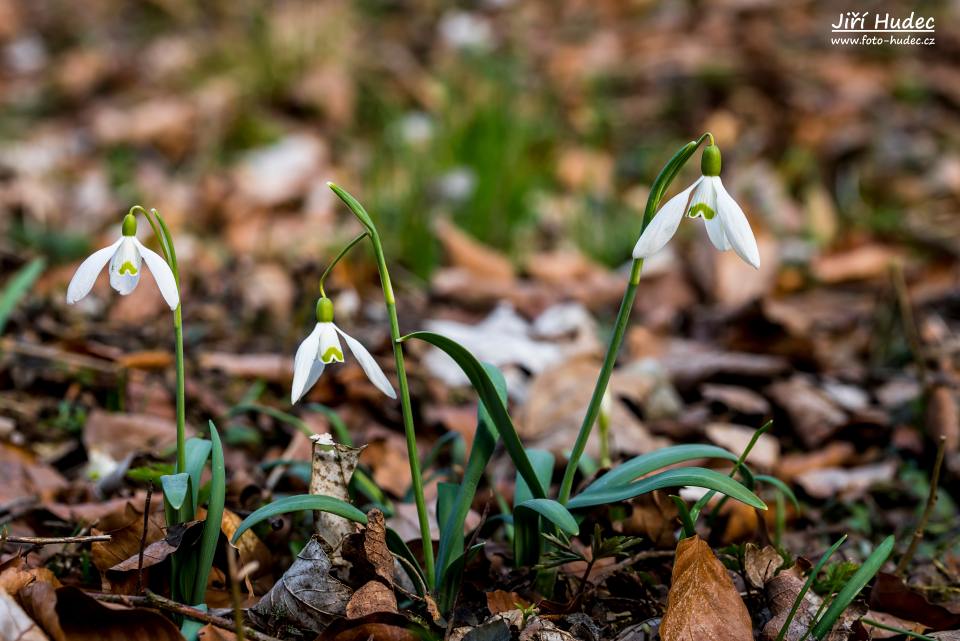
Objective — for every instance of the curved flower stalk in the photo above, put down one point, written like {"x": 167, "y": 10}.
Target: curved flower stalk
{"x": 322, "y": 347}
{"x": 706, "y": 198}
{"x": 125, "y": 258}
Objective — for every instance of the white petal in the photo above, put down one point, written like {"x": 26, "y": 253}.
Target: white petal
{"x": 162, "y": 274}
{"x": 664, "y": 224}
{"x": 736, "y": 228}
{"x": 716, "y": 233}
{"x": 369, "y": 365}
{"x": 82, "y": 281}
{"x": 304, "y": 365}
{"x": 126, "y": 258}
{"x": 330, "y": 350}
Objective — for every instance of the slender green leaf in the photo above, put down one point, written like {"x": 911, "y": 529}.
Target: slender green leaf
{"x": 780, "y": 485}
{"x": 453, "y": 578}
{"x": 197, "y": 450}
{"x": 695, "y": 476}
{"x": 211, "y": 526}
{"x": 299, "y": 503}
{"x": 553, "y": 512}
{"x": 686, "y": 520}
{"x": 399, "y": 547}
{"x": 806, "y": 586}
{"x": 17, "y": 287}
{"x": 850, "y": 591}
{"x": 175, "y": 489}
{"x": 487, "y": 391}
{"x": 484, "y": 443}
{"x": 354, "y": 206}
{"x": 646, "y": 463}
{"x": 527, "y": 542}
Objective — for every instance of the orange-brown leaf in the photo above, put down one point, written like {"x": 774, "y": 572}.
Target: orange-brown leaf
{"x": 703, "y": 604}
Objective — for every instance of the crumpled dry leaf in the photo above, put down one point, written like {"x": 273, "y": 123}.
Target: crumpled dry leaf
{"x": 782, "y": 591}
{"x": 306, "y": 597}
{"x": 372, "y": 561}
{"x": 502, "y": 601}
{"x": 126, "y": 529}
{"x": 890, "y": 594}
{"x": 23, "y": 475}
{"x": 15, "y": 625}
{"x": 761, "y": 564}
{"x": 380, "y": 626}
{"x": 541, "y": 629}
{"x": 465, "y": 252}
{"x": 703, "y": 604}
{"x": 110, "y": 437}
{"x": 735, "y": 438}
{"x": 68, "y": 614}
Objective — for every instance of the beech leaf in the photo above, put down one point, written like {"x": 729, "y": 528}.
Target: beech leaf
{"x": 703, "y": 604}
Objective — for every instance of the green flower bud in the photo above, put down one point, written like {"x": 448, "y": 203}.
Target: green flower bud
{"x": 324, "y": 310}
{"x": 710, "y": 161}
{"x": 129, "y": 225}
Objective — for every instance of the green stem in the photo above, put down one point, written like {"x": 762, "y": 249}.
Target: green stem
{"x": 162, "y": 233}
{"x": 333, "y": 263}
{"x": 663, "y": 180}
{"x": 405, "y": 407}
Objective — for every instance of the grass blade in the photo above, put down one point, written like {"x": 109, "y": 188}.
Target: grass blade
{"x": 806, "y": 586}
{"x": 487, "y": 391}
{"x": 781, "y": 486}
{"x": 299, "y": 503}
{"x": 695, "y": 476}
{"x": 850, "y": 591}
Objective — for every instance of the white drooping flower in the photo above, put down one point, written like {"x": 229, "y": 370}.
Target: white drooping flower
{"x": 125, "y": 258}
{"x": 727, "y": 226}
{"x": 322, "y": 347}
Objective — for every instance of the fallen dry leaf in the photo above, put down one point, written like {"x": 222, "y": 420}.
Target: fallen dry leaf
{"x": 15, "y": 625}
{"x": 847, "y": 483}
{"x": 465, "y": 252}
{"x": 703, "y": 604}
{"x": 372, "y": 561}
{"x": 502, "y": 601}
{"x": 735, "y": 438}
{"x": 307, "y": 595}
{"x": 813, "y": 414}
{"x": 67, "y": 614}
{"x": 761, "y": 564}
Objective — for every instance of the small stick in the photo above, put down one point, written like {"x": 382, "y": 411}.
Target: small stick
{"x": 931, "y": 502}
{"x": 53, "y": 540}
{"x": 907, "y": 319}
{"x": 154, "y": 600}
{"x": 235, "y": 590}
{"x": 143, "y": 538}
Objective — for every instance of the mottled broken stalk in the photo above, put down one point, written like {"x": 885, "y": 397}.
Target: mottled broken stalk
{"x": 927, "y": 510}
{"x": 331, "y": 469}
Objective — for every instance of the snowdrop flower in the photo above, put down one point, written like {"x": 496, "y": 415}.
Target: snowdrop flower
{"x": 322, "y": 347}
{"x": 726, "y": 223}
{"x": 125, "y": 257}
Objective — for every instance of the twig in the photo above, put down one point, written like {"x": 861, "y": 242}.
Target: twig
{"x": 53, "y": 540}
{"x": 908, "y": 320}
{"x": 931, "y": 502}
{"x": 143, "y": 537}
{"x": 152, "y": 599}
{"x": 235, "y": 590}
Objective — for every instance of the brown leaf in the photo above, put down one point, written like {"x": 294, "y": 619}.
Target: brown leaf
{"x": 781, "y": 592}
{"x": 892, "y": 595}
{"x": 502, "y": 601}
{"x": 371, "y": 598}
{"x": 15, "y": 625}
{"x": 307, "y": 595}
{"x": 761, "y": 564}
{"x": 381, "y": 626}
{"x": 833, "y": 454}
{"x": 115, "y": 436}
{"x": 479, "y": 260}
{"x": 703, "y": 604}
{"x": 273, "y": 368}
{"x": 867, "y": 261}
{"x": 814, "y": 415}
{"x": 848, "y": 483}
{"x": 738, "y": 399}
{"x": 652, "y": 516}
{"x": 23, "y": 475}
{"x": 126, "y": 529}
{"x": 735, "y": 438}
{"x": 67, "y": 614}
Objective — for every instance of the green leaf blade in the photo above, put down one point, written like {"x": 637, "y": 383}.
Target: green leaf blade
{"x": 299, "y": 503}
{"x": 652, "y": 461}
{"x": 695, "y": 476}
{"x": 553, "y": 512}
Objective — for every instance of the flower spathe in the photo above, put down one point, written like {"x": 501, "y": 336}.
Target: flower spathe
{"x": 125, "y": 258}
{"x": 727, "y": 225}
{"x": 322, "y": 347}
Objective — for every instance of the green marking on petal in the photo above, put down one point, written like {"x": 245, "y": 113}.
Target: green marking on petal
{"x": 128, "y": 268}
{"x": 702, "y": 209}
{"x": 332, "y": 354}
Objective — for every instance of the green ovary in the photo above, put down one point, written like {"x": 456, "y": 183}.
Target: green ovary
{"x": 701, "y": 209}
{"x": 332, "y": 354}
{"x": 127, "y": 268}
